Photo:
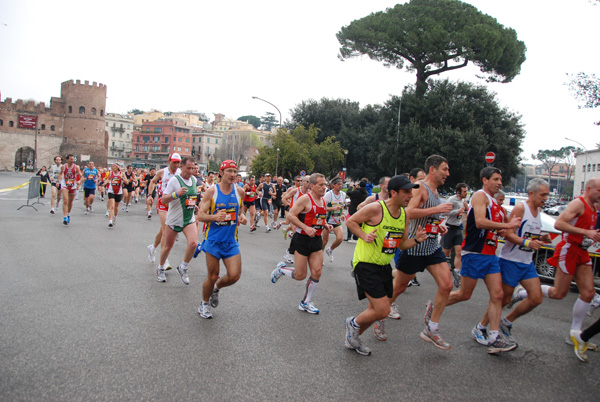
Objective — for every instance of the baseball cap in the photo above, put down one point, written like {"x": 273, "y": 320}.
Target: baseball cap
{"x": 286, "y": 181}
{"x": 175, "y": 158}
{"x": 267, "y": 174}
{"x": 228, "y": 164}
{"x": 401, "y": 182}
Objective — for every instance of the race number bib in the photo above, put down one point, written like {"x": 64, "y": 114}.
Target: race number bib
{"x": 391, "y": 242}
{"x": 230, "y": 218}
{"x": 70, "y": 182}
{"x": 319, "y": 222}
{"x": 190, "y": 201}
{"x": 492, "y": 238}
{"x": 432, "y": 227}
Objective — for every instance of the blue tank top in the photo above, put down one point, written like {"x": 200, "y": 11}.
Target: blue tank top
{"x": 226, "y": 231}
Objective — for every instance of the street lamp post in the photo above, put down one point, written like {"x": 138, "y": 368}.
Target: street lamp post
{"x": 266, "y": 101}
{"x": 585, "y": 163}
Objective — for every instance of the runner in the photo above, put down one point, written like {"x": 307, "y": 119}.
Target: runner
{"x": 180, "y": 195}
{"x": 149, "y": 196}
{"x": 382, "y": 195}
{"x": 68, "y": 185}
{"x": 516, "y": 263}
{"x": 90, "y": 173}
{"x": 577, "y": 223}
{"x": 162, "y": 178}
{"x": 101, "y": 180}
{"x": 479, "y": 261}
{"x": 54, "y": 173}
{"x": 335, "y": 201}
{"x": 129, "y": 188}
{"x": 381, "y": 229}
{"x": 266, "y": 192}
{"x": 116, "y": 180}
{"x": 303, "y": 186}
{"x": 454, "y": 238}
{"x": 415, "y": 175}
{"x": 309, "y": 215}
{"x": 221, "y": 209}
{"x": 249, "y": 198}
{"x": 279, "y": 190}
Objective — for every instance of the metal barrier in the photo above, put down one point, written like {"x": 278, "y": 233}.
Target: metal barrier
{"x": 33, "y": 192}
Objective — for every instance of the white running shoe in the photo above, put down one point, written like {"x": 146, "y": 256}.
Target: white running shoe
{"x": 52, "y": 210}
{"x": 268, "y": 229}
{"x": 288, "y": 257}
{"x": 204, "y": 310}
{"x": 379, "y": 330}
{"x": 151, "y": 253}
{"x": 276, "y": 274}
{"x": 160, "y": 274}
{"x": 214, "y": 298}
{"x": 308, "y": 307}
{"x": 184, "y": 275}
{"x": 329, "y": 252}
{"x": 393, "y": 311}
{"x": 106, "y": 214}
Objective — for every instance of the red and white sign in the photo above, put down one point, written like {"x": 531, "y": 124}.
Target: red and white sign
{"x": 27, "y": 121}
{"x": 490, "y": 157}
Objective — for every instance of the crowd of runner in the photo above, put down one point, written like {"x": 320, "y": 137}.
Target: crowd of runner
{"x": 407, "y": 222}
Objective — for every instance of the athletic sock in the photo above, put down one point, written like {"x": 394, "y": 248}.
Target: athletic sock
{"x": 161, "y": 267}
{"x": 521, "y": 294}
{"x": 545, "y": 289}
{"x": 215, "y": 288}
{"x": 353, "y": 323}
{"x": 184, "y": 264}
{"x": 288, "y": 271}
{"x": 311, "y": 285}
{"x": 481, "y": 327}
{"x": 580, "y": 309}
{"x": 506, "y": 322}
{"x": 493, "y": 336}
{"x": 433, "y": 326}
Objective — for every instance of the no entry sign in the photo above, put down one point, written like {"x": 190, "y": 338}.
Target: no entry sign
{"x": 490, "y": 157}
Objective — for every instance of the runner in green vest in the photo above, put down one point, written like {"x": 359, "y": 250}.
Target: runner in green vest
{"x": 381, "y": 228}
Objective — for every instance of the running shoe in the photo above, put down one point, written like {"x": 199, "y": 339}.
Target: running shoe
{"x": 204, "y": 310}
{"x": 352, "y": 334}
{"x": 283, "y": 230}
{"x": 87, "y": 210}
{"x": 415, "y": 282}
{"x": 515, "y": 298}
{"x": 198, "y": 250}
{"x": 428, "y": 312}
{"x": 393, "y": 311}
{"x": 123, "y": 209}
{"x": 160, "y": 274}
{"x": 110, "y": 225}
{"x": 252, "y": 228}
{"x": 65, "y": 221}
{"x": 329, "y": 252}
{"x": 501, "y": 345}
{"x": 183, "y": 272}
{"x": 149, "y": 215}
{"x": 505, "y": 330}
{"x": 106, "y": 214}
{"x": 352, "y": 241}
{"x": 308, "y": 307}
{"x": 456, "y": 278}
{"x": 480, "y": 335}
{"x": 434, "y": 337}
{"x": 214, "y": 298}
{"x": 288, "y": 257}
{"x": 267, "y": 229}
{"x": 579, "y": 346}
{"x": 379, "y": 330}
{"x": 91, "y": 209}
{"x": 278, "y": 225}
{"x": 151, "y": 253}
{"x": 68, "y": 218}
{"x": 590, "y": 346}
{"x": 276, "y": 274}
{"x": 168, "y": 266}
{"x": 594, "y": 304}
{"x": 52, "y": 211}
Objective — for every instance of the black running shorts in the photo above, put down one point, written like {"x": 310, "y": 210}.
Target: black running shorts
{"x": 373, "y": 280}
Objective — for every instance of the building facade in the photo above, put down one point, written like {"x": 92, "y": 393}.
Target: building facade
{"x": 587, "y": 166}
{"x": 120, "y": 133}
{"x": 157, "y": 140}
{"x": 73, "y": 124}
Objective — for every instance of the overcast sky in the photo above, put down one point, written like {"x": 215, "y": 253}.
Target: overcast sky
{"x": 212, "y": 57}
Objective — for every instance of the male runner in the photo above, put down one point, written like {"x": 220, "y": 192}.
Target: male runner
{"x": 381, "y": 229}
{"x": 266, "y": 192}
{"x": 116, "y": 181}
{"x": 335, "y": 201}
{"x": 454, "y": 238}
{"x": 129, "y": 188}
{"x": 90, "y": 173}
{"x": 54, "y": 172}
{"x": 309, "y": 215}
{"x": 382, "y": 195}
{"x": 577, "y": 223}
{"x": 302, "y": 187}
{"x": 279, "y": 189}
{"x": 424, "y": 210}
{"x": 180, "y": 194}
{"x": 516, "y": 256}
{"x": 479, "y": 261}
{"x": 221, "y": 209}
{"x": 68, "y": 186}
{"x": 249, "y": 198}
{"x": 150, "y": 195}
{"x": 162, "y": 178}
{"x": 415, "y": 175}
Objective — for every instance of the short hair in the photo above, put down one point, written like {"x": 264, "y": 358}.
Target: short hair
{"x": 58, "y": 156}
{"x": 383, "y": 179}
{"x": 187, "y": 159}
{"x": 500, "y": 193}
{"x": 68, "y": 156}
{"x": 152, "y": 168}
{"x": 435, "y": 161}
{"x": 460, "y": 186}
{"x": 298, "y": 177}
{"x": 535, "y": 184}
{"x": 128, "y": 166}
{"x": 336, "y": 180}
{"x": 488, "y": 172}
{"x": 415, "y": 172}
{"x": 314, "y": 177}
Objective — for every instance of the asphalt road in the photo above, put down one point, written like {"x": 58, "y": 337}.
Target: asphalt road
{"x": 82, "y": 318}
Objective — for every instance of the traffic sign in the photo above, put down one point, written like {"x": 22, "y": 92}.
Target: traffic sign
{"x": 490, "y": 157}
{"x": 302, "y": 173}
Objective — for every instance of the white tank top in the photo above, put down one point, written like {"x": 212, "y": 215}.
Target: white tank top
{"x": 167, "y": 175}
{"x": 531, "y": 228}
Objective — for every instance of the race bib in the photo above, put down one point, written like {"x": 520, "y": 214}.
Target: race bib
{"x": 116, "y": 182}
{"x": 391, "y": 242}
{"x": 586, "y": 243}
{"x": 432, "y": 227}
{"x": 230, "y": 218}
{"x": 70, "y": 182}
{"x": 91, "y": 177}
{"x": 319, "y": 222}
{"x": 491, "y": 239}
{"x": 190, "y": 201}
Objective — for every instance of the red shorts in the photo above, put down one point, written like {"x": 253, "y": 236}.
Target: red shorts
{"x": 161, "y": 207}
{"x": 71, "y": 190}
{"x": 568, "y": 256}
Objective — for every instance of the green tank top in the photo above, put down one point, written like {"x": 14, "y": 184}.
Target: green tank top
{"x": 188, "y": 201}
{"x": 389, "y": 235}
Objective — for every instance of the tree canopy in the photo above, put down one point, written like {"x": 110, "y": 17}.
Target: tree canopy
{"x": 136, "y": 111}
{"x": 269, "y": 121}
{"x": 435, "y": 36}
{"x": 255, "y": 121}
{"x": 586, "y": 88}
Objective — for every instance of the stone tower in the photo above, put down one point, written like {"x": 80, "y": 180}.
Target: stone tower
{"x": 84, "y": 124}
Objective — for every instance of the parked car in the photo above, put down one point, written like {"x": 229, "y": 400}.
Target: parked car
{"x": 547, "y": 271}
{"x": 557, "y": 210}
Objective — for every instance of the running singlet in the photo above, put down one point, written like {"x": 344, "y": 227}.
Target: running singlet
{"x": 115, "y": 183}
{"x": 250, "y": 194}
{"x": 181, "y": 209}
{"x": 531, "y": 229}
{"x": 167, "y": 175}
{"x": 90, "y": 177}
{"x": 389, "y": 235}
{"x": 226, "y": 231}
{"x": 298, "y": 194}
{"x": 431, "y": 223}
{"x": 586, "y": 221}
{"x": 482, "y": 241}
{"x": 332, "y": 200}
{"x": 316, "y": 218}
{"x": 54, "y": 172}
{"x": 69, "y": 177}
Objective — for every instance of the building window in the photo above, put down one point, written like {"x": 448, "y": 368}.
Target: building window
{"x": 166, "y": 140}
{"x": 187, "y": 140}
{"x": 1, "y": 122}
{"x": 81, "y": 110}
{"x": 113, "y": 143}
{"x": 51, "y": 128}
{"x": 120, "y": 135}
{"x": 593, "y": 168}
{"x": 584, "y": 168}
{"x": 174, "y": 148}
{"x": 70, "y": 109}
{"x": 179, "y": 148}
{"x": 101, "y": 112}
{"x": 217, "y": 141}
{"x": 589, "y": 167}
{"x": 207, "y": 140}
{"x": 11, "y": 123}
{"x": 93, "y": 111}
{"x": 43, "y": 126}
